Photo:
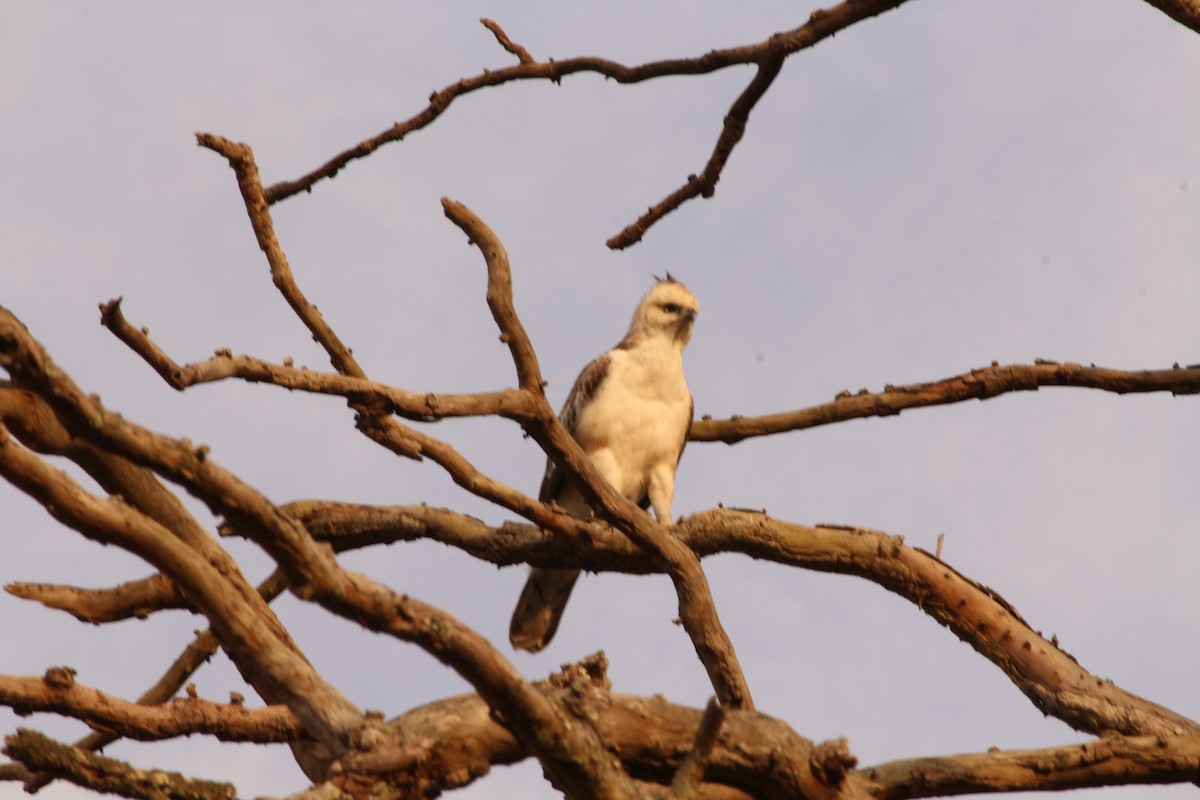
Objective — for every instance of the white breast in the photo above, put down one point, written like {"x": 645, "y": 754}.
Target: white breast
{"x": 639, "y": 416}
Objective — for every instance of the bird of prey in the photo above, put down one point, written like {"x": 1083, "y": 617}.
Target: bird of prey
{"x": 630, "y": 411}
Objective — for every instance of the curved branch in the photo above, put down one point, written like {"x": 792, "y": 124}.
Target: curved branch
{"x": 1185, "y": 12}
{"x": 134, "y": 599}
{"x": 1050, "y": 677}
{"x": 375, "y": 397}
{"x": 768, "y": 55}
{"x": 499, "y": 292}
{"x": 705, "y": 184}
{"x": 978, "y": 384}
{"x": 241, "y": 159}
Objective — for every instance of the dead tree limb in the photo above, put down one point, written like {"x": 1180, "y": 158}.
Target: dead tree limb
{"x": 978, "y": 384}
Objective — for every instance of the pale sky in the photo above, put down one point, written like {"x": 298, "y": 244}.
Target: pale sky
{"x": 946, "y": 185}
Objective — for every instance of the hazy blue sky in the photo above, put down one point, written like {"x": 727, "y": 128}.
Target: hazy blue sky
{"x": 949, "y": 184}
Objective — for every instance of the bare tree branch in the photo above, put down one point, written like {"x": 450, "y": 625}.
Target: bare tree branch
{"x": 517, "y": 50}
{"x": 134, "y": 599}
{"x": 697, "y": 610}
{"x": 690, "y": 775}
{"x": 200, "y": 650}
{"x": 241, "y": 159}
{"x": 57, "y": 692}
{"x": 1051, "y": 678}
{"x": 768, "y": 55}
{"x": 273, "y": 667}
{"x": 40, "y": 753}
{"x": 978, "y": 384}
{"x": 570, "y": 752}
{"x": 1185, "y": 12}
{"x": 705, "y": 184}
{"x": 499, "y": 292}
{"x": 419, "y": 406}
{"x": 1111, "y": 761}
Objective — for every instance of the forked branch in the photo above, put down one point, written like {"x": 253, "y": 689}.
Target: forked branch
{"x": 767, "y": 55}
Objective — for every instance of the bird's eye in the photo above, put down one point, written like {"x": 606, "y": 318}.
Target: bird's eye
{"x": 670, "y": 308}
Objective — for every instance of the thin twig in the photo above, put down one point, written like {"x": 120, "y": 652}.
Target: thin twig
{"x": 517, "y": 50}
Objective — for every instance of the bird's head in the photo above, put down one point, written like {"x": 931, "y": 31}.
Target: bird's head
{"x": 667, "y": 310}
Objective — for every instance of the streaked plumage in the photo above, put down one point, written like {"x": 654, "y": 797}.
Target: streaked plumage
{"x": 630, "y": 411}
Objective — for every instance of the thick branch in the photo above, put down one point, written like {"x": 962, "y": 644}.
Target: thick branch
{"x": 978, "y": 384}
{"x": 1185, "y": 12}
{"x": 1051, "y": 678}
{"x": 1113, "y": 761}
{"x": 764, "y": 758}
{"x": 652, "y": 737}
{"x": 276, "y": 670}
{"x": 568, "y": 751}
{"x": 690, "y": 775}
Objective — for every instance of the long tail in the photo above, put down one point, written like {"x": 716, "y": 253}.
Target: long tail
{"x": 540, "y": 608}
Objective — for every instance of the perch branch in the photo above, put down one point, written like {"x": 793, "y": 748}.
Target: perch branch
{"x": 568, "y": 751}
{"x": 1051, "y": 678}
{"x": 978, "y": 384}
{"x": 697, "y": 610}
